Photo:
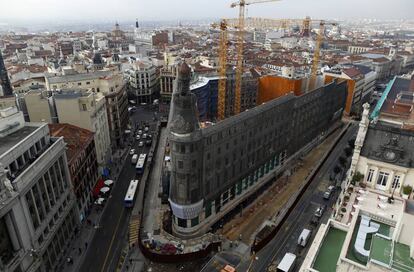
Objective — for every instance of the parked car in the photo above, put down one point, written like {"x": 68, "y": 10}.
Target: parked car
{"x": 138, "y": 137}
{"x": 132, "y": 152}
{"x": 148, "y": 142}
{"x": 315, "y": 220}
{"x": 319, "y": 211}
{"x": 139, "y": 132}
{"x": 140, "y": 144}
{"x": 144, "y": 136}
{"x": 146, "y": 129}
{"x": 328, "y": 192}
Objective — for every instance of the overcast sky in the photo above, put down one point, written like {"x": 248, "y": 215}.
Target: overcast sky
{"x": 123, "y": 10}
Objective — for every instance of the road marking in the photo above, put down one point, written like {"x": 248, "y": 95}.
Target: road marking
{"x": 134, "y": 225}
{"x": 112, "y": 241}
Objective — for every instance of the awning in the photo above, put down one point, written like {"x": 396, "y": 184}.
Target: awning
{"x": 105, "y": 172}
{"x": 108, "y": 182}
{"x": 104, "y": 190}
{"x": 97, "y": 188}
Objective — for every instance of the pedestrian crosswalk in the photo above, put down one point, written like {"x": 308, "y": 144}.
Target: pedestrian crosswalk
{"x": 134, "y": 224}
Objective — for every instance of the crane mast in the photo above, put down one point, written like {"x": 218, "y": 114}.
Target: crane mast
{"x": 239, "y": 64}
{"x": 316, "y": 56}
{"x": 222, "y": 71}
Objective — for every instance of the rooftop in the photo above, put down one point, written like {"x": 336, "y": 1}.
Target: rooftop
{"x": 6, "y": 143}
{"x": 76, "y": 138}
{"x": 399, "y": 100}
{"x": 77, "y": 77}
{"x": 375, "y": 203}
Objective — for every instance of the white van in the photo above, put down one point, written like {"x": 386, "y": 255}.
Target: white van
{"x": 134, "y": 159}
{"x": 287, "y": 263}
{"x": 304, "y": 237}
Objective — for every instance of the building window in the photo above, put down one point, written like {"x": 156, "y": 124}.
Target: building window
{"x": 194, "y": 221}
{"x": 84, "y": 107}
{"x": 208, "y": 209}
{"x": 370, "y": 175}
{"x": 382, "y": 179}
{"x": 182, "y": 222}
{"x": 79, "y": 83}
{"x": 396, "y": 181}
{"x": 180, "y": 164}
{"x": 87, "y": 83}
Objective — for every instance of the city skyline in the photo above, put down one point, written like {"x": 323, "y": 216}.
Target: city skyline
{"x": 125, "y": 10}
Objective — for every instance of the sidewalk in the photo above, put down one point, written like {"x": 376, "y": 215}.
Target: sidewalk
{"x": 78, "y": 247}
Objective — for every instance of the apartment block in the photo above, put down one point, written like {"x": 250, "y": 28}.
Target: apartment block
{"x": 108, "y": 83}
{"x": 82, "y": 163}
{"x": 85, "y": 109}
{"x": 37, "y": 208}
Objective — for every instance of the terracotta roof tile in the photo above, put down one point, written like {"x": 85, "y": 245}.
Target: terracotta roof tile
{"x": 77, "y": 138}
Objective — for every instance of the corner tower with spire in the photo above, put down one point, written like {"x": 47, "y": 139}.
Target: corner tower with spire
{"x": 185, "y": 137}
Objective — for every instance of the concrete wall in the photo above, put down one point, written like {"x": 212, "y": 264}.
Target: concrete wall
{"x": 70, "y": 111}
{"x": 38, "y": 107}
{"x": 406, "y": 234}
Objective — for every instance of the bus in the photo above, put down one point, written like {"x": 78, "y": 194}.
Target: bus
{"x": 140, "y": 164}
{"x": 130, "y": 194}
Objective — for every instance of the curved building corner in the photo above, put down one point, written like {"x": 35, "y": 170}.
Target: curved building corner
{"x": 186, "y": 157}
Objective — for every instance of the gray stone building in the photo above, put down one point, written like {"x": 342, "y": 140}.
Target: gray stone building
{"x": 215, "y": 168}
{"x": 37, "y": 207}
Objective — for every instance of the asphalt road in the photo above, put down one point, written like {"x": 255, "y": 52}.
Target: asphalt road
{"x": 286, "y": 239}
{"x": 106, "y": 246}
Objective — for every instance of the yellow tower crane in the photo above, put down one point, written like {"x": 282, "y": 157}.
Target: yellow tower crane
{"x": 317, "y": 53}
{"x": 240, "y": 38}
{"x": 222, "y": 71}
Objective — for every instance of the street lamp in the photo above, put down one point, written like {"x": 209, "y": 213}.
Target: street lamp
{"x": 391, "y": 198}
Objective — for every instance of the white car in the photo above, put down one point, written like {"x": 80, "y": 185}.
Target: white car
{"x": 138, "y": 137}
{"x": 144, "y": 136}
{"x": 132, "y": 152}
{"x": 146, "y": 129}
{"x": 140, "y": 144}
{"x": 139, "y": 132}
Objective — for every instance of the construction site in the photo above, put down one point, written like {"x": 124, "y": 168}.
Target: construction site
{"x": 267, "y": 207}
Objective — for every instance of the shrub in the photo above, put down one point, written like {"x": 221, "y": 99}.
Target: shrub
{"x": 357, "y": 177}
{"x": 407, "y": 189}
{"x": 337, "y": 169}
{"x": 348, "y": 151}
{"x": 342, "y": 160}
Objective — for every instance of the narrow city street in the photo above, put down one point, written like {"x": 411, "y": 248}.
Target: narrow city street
{"x": 106, "y": 246}
{"x": 286, "y": 239}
